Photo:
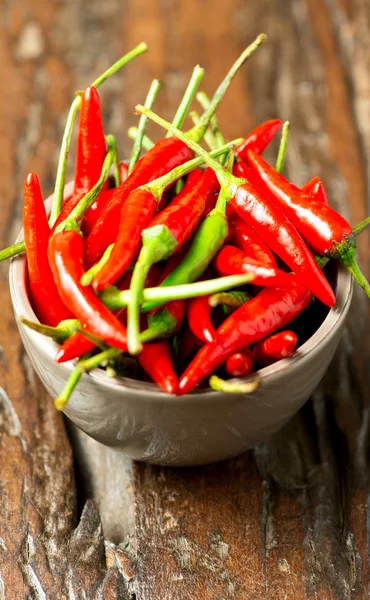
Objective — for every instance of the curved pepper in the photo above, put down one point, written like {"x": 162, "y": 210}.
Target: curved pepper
{"x": 46, "y": 300}
{"x": 259, "y": 138}
{"x": 247, "y": 240}
{"x": 156, "y": 360}
{"x": 270, "y": 310}
{"x": 274, "y": 348}
{"x": 66, "y": 261}
{"x": 199, "y": 319}
{"x": 91, "y": 146}
{"x": 231, "y": 261}
{"x": 326, "y": 231}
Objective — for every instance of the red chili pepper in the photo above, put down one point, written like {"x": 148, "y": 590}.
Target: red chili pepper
{"x": 182, "y": 216}
{"x": 247, "y": 240}
{"x": 277, "y": 346}
{"x": 156, "y": 361}
{"x": 315, "y": 188}
{"x": 94, "y": 212}
{"x": 262, "y": 214}
{"x": 160, "y": 160}
{"x": 199, "y": 319}
{"x": 270, "y": 310}
{"x": 77, "y": 345}
{"x": 139, "y": 209}
{"x": 232, "y": 261}
{"x": 46, "y": 300}
{"x": 241, "y": 169}
{"x": 66, "y": 261}
{"x": 326, "y": 231}
{"x": 259, "y": 138}
{"x": 91, "y": 146}
{"x": 240, "y": 364}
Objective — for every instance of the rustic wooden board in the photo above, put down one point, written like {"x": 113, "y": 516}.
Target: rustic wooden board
{"x": 290, "y": 520}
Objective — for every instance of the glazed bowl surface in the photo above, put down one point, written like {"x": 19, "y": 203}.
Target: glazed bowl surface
{"x": 139, "y": 420}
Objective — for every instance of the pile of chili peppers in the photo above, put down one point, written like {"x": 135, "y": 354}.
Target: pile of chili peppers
{"x": 163, "y": 270}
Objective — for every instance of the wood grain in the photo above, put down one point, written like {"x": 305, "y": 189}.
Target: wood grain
{"x": 289, "y": 520}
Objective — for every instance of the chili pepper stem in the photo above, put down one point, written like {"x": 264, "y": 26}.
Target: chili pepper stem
{"x": 87, "y": 277}
{"x": 204, "y": 101}
{"x": 147, "y": 143}
{"x": 188, "y": 97}
{"x": 77, "y": 214}
{"x": 158, "y": 186}
{"x": 220, "y": 385}
{"x": 231, "y": 299}
{"x": 160, "y": 328}
{"x": 158, "y": 244}
{"x": 209, "y": 138}
{"x": 13, "y": 250}
{"x": 149, "y": 101}
{"x": 356, "y": 230}
{"x": 85, "y": 364}
{"x": 52, "y": 332}
{"x": 227, "y": 181}
{"x": 282, "y": 148}
{"x": 61, "y": 169}
{"x": 197, "y": 132}
{"x": 115, "y": 299}
{"x": 347, "y": 255}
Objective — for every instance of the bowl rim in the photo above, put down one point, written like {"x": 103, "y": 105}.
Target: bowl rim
{"x": 22, "y": 307}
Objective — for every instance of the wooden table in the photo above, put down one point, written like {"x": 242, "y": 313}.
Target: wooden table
{"x": 289, "y": 520}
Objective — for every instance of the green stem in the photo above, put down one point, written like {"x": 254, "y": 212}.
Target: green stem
{"x": 348, "y": 258}
{"x": 147, "y": 143}
{"x": 121, "y": 62}
{"x": 161, "y": 324}
{"x": 179, "y": 186}
{"x": 282, "y": 148}
{"x": 209, "y": 138}
{"x": 84, "y": 204}
{"x": 228, "y": 387}
{"x": 357, "y": 230}
{"x": 197, "y": 133}
{"x": 87, "y": 277}
{"x": 62, "y": 163}
{"x": 87, "y": 363}
{"x": 188, "y": 97}
{"x": 61, "y": 402}
{"x": 58, "y": 335}
{"x": 230, "y": 299}
{"x": 158, "y": 244}
{"x": 99, "y": 359}
{"x": 115, "y": 299}
{"x": 149, "y": 101}
{"x": 13, "y": 250}
{"x": 204, "y": 101}
{"x": 158, "y": 186}
{"x": 227, "y": 181}
{"x": 224, "y": 195}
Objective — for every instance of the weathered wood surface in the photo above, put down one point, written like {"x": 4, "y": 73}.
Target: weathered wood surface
{"x": 290, "y": 520}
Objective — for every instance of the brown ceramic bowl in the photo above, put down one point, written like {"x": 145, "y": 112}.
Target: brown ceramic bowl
{"x": 139, "y": 420}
